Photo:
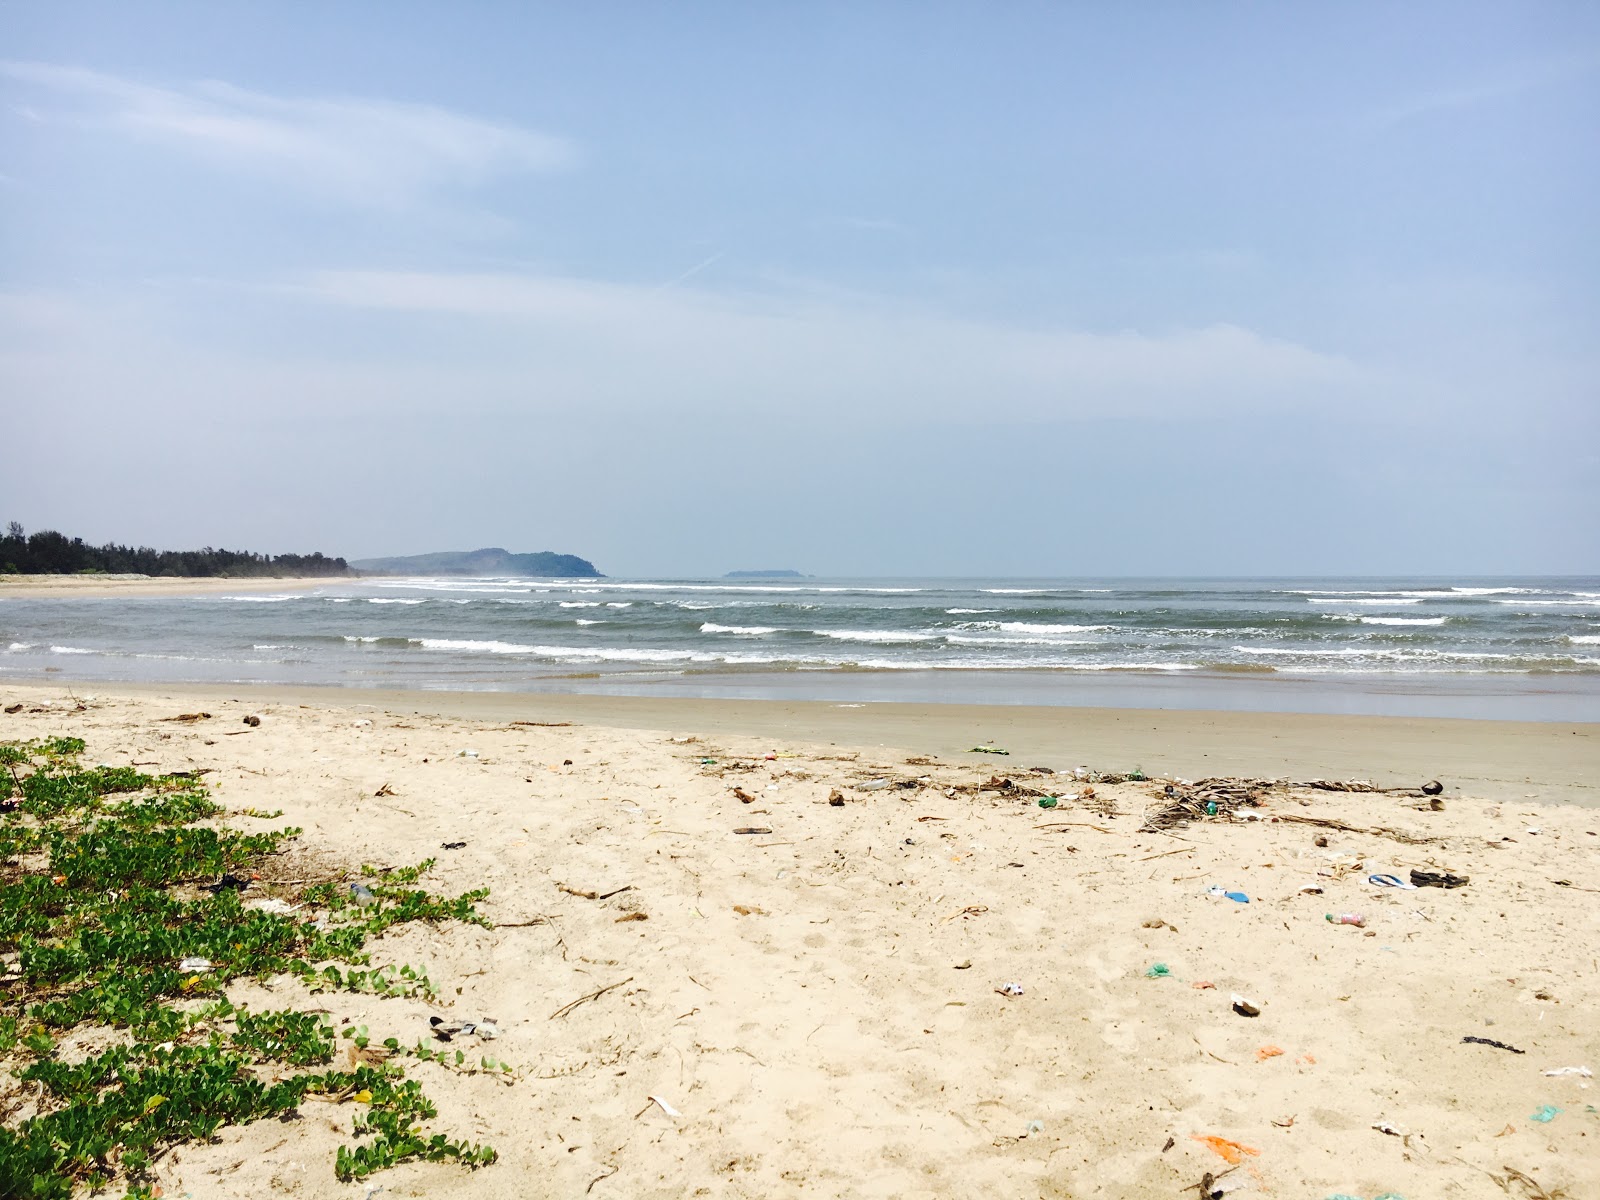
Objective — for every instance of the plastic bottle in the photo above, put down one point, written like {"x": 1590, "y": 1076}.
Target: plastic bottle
{"x": 1355, "y": 919}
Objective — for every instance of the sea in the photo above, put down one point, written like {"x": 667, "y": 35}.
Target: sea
{"x": 1513, "y": 649}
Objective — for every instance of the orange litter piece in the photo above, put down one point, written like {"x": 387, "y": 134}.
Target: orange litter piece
{"x": 1267, "y": 1052}
{"x": 1231, "y": 1153}
{"x": 1202, "y": 984}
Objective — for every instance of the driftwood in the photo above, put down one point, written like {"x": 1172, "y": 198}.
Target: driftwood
{"x": 1185, "y": 802}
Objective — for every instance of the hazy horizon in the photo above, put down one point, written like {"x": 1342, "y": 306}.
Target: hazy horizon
{"x": 886, "y": 290}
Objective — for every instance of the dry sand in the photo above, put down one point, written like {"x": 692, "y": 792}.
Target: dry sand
{"x": 819, "y": 1002}
{"x": 63, "y": 587}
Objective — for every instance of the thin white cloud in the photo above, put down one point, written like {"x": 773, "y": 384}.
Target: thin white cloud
{"x": 1512, "y": 81}
{"x": 626, "y": 346}
{"x": 371, "y": 153}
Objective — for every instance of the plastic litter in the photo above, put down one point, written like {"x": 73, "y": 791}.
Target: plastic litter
{"x": 1491, "y": 1042}
{"x": 1010, "y": 989}
{"x": 1232, "y": 1153}
{"x": 1265, "y": 1052}
{"x": 1034, "y": 1127}
{"x": 1243, "y": 1006}
{"x": 362, "y": 895}
{"x": 874, "y": 785}
{"x": 1546, "y": 1114}
{"x": 271, "y": 904}
{"x": 1355, "y": 919}
{"x": 447, "y": 1030}
{"x": 664, "y": 1106}
{"x": 1224, "y": 893}
{"x": 1391, "y": 881}
{"x": 1158, "y": 971}
{"x": 1048, "y": 801}
{"x": 987, "y": 750}
{"x": 196, "y": 965}
{"x": 1583, "y": 1071}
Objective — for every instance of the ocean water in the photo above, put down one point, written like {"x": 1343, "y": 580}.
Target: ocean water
{"x": 1508, "y": 648}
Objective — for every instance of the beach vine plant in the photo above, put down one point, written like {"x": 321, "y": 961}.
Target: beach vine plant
{"x": 122, "y": 924}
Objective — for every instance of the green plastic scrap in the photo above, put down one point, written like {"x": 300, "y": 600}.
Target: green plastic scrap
{"x": 1546, "y": 1114}
{"x": 1158, "y": 971}
{"x": 1048, "y": 801}
{"x": 987, "y": 750}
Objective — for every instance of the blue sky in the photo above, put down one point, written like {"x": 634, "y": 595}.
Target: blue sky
{"x": 861, "y": 288}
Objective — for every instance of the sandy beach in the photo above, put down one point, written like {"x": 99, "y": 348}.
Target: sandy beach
{"x": 821, "y": 1002}
{"x": 67, "y": 587}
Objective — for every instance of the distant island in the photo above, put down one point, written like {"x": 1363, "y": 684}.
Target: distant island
{"x": 491, "y": 560}
{"x": 785, "y": 574}
{"x": 50, "y": 553}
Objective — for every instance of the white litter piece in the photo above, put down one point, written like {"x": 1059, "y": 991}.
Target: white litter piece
{"x": 1583, "y": 1071}
{"x": 194, "y": 964}
{"x": 271, "y": 904}
{"x": 665, "y": 1107}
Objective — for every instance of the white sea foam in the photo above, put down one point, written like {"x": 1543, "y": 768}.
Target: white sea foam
{"x": 580, "y": 604}
{"x": 1584, "y": 639}
{"x": 1341, "y": 652}
{"x": 587, "y": 621}
{"x": 1366, "y": 600}
{"x": 1402, "y": 620}
{"x": 882, "y": 637}
{"x": 955, "y": 611}
{"x": 396, "y": 600}
{"x": 19, "y": 646}
{"x": 1579, "y": 600}
{"x": 960, "y": 639}
{"x": 1030, "y": 627}
{"x": 350, "y": 637}
{"x": 71, "y": 650}
{"x": 1015, "y": 591}
{"x": 619, "y": 603}
{"x": 595, "y": 653}
{"x": 261, "y": 599}
{"x": 752, "y": 630}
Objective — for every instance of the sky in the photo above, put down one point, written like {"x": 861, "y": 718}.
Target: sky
{"x": 1040, "y": 289}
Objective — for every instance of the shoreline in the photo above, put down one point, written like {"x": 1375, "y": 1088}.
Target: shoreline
{"x": 1494, "y": 759}
{"x": 88, "y": 587}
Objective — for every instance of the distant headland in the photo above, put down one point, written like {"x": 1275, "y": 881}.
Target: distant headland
{"x": 783, "y": 574}
{"x": 492, "y": 560}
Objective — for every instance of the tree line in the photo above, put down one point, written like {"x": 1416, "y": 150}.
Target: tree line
{"x": 50, "y": 553}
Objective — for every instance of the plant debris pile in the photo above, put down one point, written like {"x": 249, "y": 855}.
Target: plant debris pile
{"x": 1183, "y": 802}
{"x": 122, "y": 921}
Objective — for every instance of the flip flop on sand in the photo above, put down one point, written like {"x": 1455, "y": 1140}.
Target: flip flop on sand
{"x": 1392, "y": 881}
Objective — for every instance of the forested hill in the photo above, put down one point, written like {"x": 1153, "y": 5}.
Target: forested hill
{"x": 492, "y": 560}
{"x": 50, "y": 553}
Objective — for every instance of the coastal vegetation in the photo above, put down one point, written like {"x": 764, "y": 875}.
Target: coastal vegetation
{"x": 491, "y": 560}
{"x": 127, "y": 908}
{"x": 50, "y": 553}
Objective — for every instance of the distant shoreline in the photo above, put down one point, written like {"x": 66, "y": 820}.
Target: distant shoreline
{"x": 35, "y": 587}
